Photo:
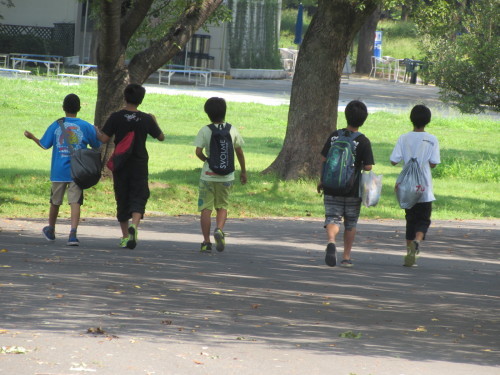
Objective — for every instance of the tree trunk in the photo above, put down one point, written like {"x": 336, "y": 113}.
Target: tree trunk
{"x": 315, "y": 87}
{"x": 365, "y": 43}
{"x": 117, "y": 28}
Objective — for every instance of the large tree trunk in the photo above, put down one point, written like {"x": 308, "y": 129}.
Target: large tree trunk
{"x": 316, "y": 83}
{"x": 117, "y": 26}
{"x": 365, "y": 43}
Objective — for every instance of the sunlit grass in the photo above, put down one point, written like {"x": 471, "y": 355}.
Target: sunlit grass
{"x": 466, "y": 184}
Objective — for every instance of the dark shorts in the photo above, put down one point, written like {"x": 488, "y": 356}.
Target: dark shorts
{"x": 337, "y": 208}
{"x": 131, "y": 192}
{"x": 418, "y": 219}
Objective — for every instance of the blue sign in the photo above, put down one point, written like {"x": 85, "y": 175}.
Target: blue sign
{"x": 377, "y": 45}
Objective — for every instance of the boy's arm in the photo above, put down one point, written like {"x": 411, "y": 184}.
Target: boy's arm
{"x": 101, "y": 136}
{"x": 30, "y": 135}
{"x": 161, "y": 137}
{"x": 199, "y": 153}
{"x": 319, "y": 188}
{"x": 241, "y": 159}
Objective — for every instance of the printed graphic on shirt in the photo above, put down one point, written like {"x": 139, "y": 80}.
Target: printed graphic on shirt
{"x": 75, "y": 137}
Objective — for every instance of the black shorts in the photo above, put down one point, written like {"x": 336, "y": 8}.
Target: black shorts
{"x": 418, "y": 219}
{"x": 131, "y": 192}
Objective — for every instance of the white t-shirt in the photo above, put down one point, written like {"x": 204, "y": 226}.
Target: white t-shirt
{"x": 423, "y": 146}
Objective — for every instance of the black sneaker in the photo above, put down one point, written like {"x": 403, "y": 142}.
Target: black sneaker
{"x": 331, "y": 256}
{"x": 206, "y": 247}
{"x": 132, "y": 237}
{"x": 346, "y": 263}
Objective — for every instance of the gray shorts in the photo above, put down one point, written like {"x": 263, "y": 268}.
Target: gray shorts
{"x": 337, "y": 208}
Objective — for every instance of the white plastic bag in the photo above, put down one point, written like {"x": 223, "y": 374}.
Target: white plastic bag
{"x": 371, "y": 188}
{"x": 410, "y": 185}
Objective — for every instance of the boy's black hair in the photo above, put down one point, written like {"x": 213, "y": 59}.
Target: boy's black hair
{"x": 420, "y": 116}
{"x": 71, "y": 103}
{"x": 356, "y": 113}
{"x": 215, "y": 108}
{"x": 134, "y": 93}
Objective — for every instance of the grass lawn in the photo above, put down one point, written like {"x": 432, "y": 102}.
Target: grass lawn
{"x": 466, "y": 184}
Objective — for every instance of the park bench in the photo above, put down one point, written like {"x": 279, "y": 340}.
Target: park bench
{"x": 49, "y": 64}
{"x": 205, "y": 74}
{"x": 15, "y": 71}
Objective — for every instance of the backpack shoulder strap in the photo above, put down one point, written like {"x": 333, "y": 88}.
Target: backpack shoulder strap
{"x": 355, "y": 135}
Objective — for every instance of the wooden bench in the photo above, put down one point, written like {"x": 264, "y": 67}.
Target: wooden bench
{"x": 16, "y": 71}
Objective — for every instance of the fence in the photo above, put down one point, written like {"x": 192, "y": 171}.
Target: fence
{"x": 57, "y": 40}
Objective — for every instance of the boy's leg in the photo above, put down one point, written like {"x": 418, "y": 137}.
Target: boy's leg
{"x": 221, "y": 203}
{"x": 352, "y": 210}
{"x": 56, "y": 196}
{"x": 75, "y": 200}
{"x": 206, "y": 193}
{"x": 334, "y": 210}
{"x": 205, "y": 222}
{"x": 221, "y": 218}
{"x": 349, "y": 235}
{"x": 53, "y": 214}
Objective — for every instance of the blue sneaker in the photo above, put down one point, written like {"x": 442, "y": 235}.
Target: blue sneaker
{"x": 49, "y": 233}
{"x": 72, "y": 240}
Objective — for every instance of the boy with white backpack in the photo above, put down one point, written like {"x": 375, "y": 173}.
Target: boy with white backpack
{"x": 424, "y": 147}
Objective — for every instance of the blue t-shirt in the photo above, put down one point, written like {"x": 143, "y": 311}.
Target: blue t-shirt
{"x": 81, "y": 134}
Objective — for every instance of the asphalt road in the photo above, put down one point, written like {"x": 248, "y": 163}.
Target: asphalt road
{"x": 266, "y": 305}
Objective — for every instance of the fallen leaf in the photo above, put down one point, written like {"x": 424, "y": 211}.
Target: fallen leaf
{"x": 198, "y": 362}
{"x": 421, "y": 329}
{"x": 12, "y": 350}
{"x": 350, "y": 335}
{"x": 4, "y": 251}
{"x": 255, "y": 305}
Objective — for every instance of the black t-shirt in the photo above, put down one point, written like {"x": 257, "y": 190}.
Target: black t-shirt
{"x": 363, "y": 154}
{"x": 122, "y": 122}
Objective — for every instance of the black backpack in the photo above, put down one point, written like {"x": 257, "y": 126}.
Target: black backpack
{"x": 86, "y": 163}
{"x": 221, "y": 159}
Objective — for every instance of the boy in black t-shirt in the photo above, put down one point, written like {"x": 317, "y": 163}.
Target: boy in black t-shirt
{"x": 131, "y": 181}
{"x": 347, "y": 206}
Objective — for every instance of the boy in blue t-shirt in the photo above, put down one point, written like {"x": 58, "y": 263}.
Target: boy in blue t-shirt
{"x": 81, "y": 134}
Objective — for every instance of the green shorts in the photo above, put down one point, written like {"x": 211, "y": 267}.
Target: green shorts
{"x": 214, "y": 195}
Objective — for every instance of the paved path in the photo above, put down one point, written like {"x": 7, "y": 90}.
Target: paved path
{"x": 266, "y": 305}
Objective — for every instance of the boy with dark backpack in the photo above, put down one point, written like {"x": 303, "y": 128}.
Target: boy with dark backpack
{"x": 215, "y": 147}
{"x": 345, "y": 153}
{"x": 79, "y": 135}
